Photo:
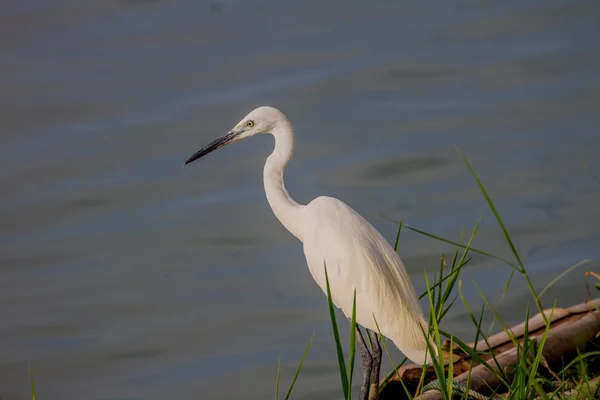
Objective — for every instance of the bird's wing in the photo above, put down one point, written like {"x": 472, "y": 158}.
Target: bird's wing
{"x": 358, "y": 257}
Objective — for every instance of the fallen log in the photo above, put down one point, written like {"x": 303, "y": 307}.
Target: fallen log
{"x": 571, "y": 330}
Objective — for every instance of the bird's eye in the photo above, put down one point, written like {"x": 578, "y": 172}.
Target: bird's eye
{"x": 250, "y": 124}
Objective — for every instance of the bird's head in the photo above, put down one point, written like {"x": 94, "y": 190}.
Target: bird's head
{"x": 260, "y": 120}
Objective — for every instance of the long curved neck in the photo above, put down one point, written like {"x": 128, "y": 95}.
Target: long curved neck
{"x": 284, "y": 207}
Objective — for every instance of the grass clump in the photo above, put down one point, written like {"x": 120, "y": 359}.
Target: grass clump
{"x": 529, "y": 377}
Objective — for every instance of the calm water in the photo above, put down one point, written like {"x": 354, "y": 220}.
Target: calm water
{"x": 125, "y": 276}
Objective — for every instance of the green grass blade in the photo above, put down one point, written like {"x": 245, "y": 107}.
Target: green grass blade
{"x": 32, "y": 384}
{"x": 441, "y": 239}
{"x": 521, "y": 383}
{"x": 477, "y": 333}
{"x": 287, "y": 396}
{"x": 538, "y": 357}
{"x": 578, "y": 359}
{"x": 467, "y": 248}
{"x": 437, "y": 293}
{"x": 395, "y": 371}
{"x": 473, "y": 352}
{"x": 443, "y": 294}
{"x": 447, "y": 277}
{"x": 445, "y": 310}
{"x": 494, "y": 211}
{"x": 474, "y": 355}
{"x": 559, "y": 277}
{"x": 450, "y": 372}
{"x": 455, "y": 268}
{"x": 505, "y": 290}
{"x": 539, "y": 390}
{"x": 507, "y": 237}
{"x": 278, "y": 378}
{"x": 397, "y": 242}
{"x": 438, "y": 364}
{"x": 338, "y": 343}
{"x": 497, "y": 316}
{"x": 396, "y": 367}
{"x": 352, "y": 344}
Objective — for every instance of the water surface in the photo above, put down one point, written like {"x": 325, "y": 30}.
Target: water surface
{"x": 125, "y": 276}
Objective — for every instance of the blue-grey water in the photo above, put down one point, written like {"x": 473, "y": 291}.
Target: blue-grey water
{"x": 124, "y": 275}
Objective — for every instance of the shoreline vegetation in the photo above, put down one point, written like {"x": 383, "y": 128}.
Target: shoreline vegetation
{"x": 553, "y": 355}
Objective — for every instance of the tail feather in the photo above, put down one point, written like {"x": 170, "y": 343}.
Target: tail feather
{"x": 412, "y": 339}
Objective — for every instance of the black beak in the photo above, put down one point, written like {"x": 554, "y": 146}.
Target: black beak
{"x": 220, "y": 142}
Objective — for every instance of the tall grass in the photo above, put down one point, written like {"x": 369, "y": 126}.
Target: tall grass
{"x": 524, "y": 380}
{"x": 345, "y": 373}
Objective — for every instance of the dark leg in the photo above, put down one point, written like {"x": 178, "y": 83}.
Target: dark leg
{"x": 376, "y": 366}
{"x": 367, "y": 361}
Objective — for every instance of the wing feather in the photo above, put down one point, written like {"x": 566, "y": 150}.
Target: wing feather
{"x": 358, "y": 257}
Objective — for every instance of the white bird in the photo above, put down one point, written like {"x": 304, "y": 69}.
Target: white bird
{"x": 356, "y": 255}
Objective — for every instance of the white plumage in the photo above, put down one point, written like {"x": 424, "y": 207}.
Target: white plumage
{"x": 333, "y": 234}
{"x": 357, "y": 256}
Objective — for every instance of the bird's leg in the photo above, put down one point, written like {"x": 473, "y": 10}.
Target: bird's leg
{"x": 376, "y": 366}
{"x": 367, "y": 361}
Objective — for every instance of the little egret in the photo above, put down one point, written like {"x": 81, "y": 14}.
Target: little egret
{"x": 356, "y": 255}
